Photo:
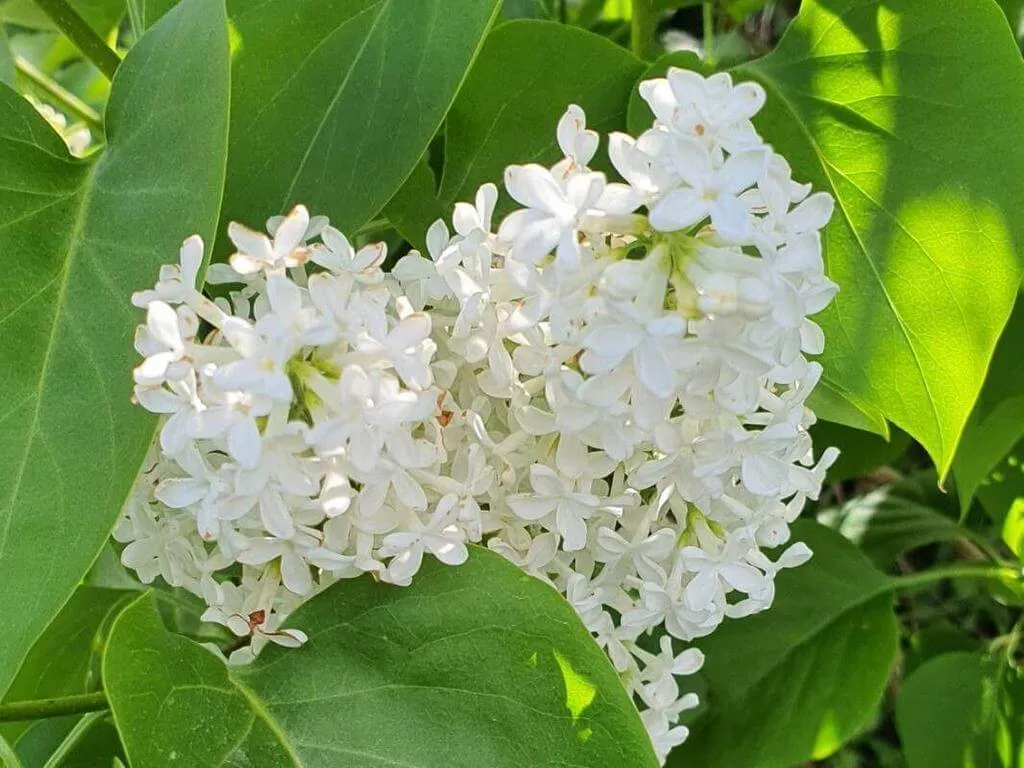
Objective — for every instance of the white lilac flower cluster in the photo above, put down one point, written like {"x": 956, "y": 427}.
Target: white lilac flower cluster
{"x": 609, "y": 390}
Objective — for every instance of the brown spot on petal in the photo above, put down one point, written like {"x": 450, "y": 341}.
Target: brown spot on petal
{"x": 256, "y": 618}
{"x": 698, "y": 129}
{"x": 445, "y": 418}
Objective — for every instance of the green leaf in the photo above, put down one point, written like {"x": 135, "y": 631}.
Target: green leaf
{"x": 153, "y": 10}
{"x": 77, "y": 238}
{"x": 999, "y": 490}
{"x": 1012, "y": 9}
{"x": 61, "y": 662}
{"x": 997, "y": 421}
{"x": 960, "y": 710}
{"x": 527, "y": 74}
{"x": 6, "y": 60}
{"x": 939, "y": 637}
{"x": 865, "y": 101}
{"x": 479, "y": 665}
{"x": 98, "y": 748}
{"x": 831, "y": 403}
{"x": 885, "y": 524}
{"x": 795, "y": 682}
{"x": 1013, "y": 528}
{"x": 333, "y": 103}
{"x": 530, "y": 9}
{"x": 415, "y": 206}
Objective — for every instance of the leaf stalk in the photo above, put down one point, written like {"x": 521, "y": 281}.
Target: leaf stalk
{"x": 82, "y": 35}
{"x": 39, "y": 709}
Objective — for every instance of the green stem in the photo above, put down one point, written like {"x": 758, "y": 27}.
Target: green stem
{"x": 72, "y": 739}
{"x": 8, "y": 757}
{"x": 82, "y": 35}
{"x": 135, "y": 19}
{"x": 643, "y": 28}
{"x": 709, "y": 33}
{"x": 57, "y": 95}
{"x": 43, "y": 708}
{"x": 924, "y": 578}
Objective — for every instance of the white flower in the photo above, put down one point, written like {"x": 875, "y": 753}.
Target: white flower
{"x": 162, "y": 340}
{"x": 556, "y": 506}
{"x": 437, "y": 535}
{"x": 709, "y": 191}
{"x": 258, "y": 253}
{"x": 551, "y": 219}
{"x": 611, "y": 392}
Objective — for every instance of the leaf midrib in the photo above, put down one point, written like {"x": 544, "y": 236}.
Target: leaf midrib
{"x": 381, "y": 8}
{"x": 73, "y": 246}
{"x": 825, "y": 166}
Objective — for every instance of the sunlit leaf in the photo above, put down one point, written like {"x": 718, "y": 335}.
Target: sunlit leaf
{"x": 866, "y": 100}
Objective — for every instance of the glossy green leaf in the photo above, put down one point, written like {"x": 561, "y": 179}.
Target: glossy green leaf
{"x": 526, "y": 76}
{"x": 77, "y": 238}
{"x": 739, "y": 10}
{"x": 479, "y": 665}
{"x": 334, "y": 101}
{"x": 868, "y": 101}
{"x": 960, "y": 710}
{"x": 997, "y": 421}
{"x": 795, "y": 682}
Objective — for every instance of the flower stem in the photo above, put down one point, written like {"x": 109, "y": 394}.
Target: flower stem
{"x": 57, "y": 95}
{"x": 709, "y": 34}
{"x": 643, "y": 28}
{"x": 82, "y": 35}
{"x": 42, "y": 708}
{"x": 924, "y": 578}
